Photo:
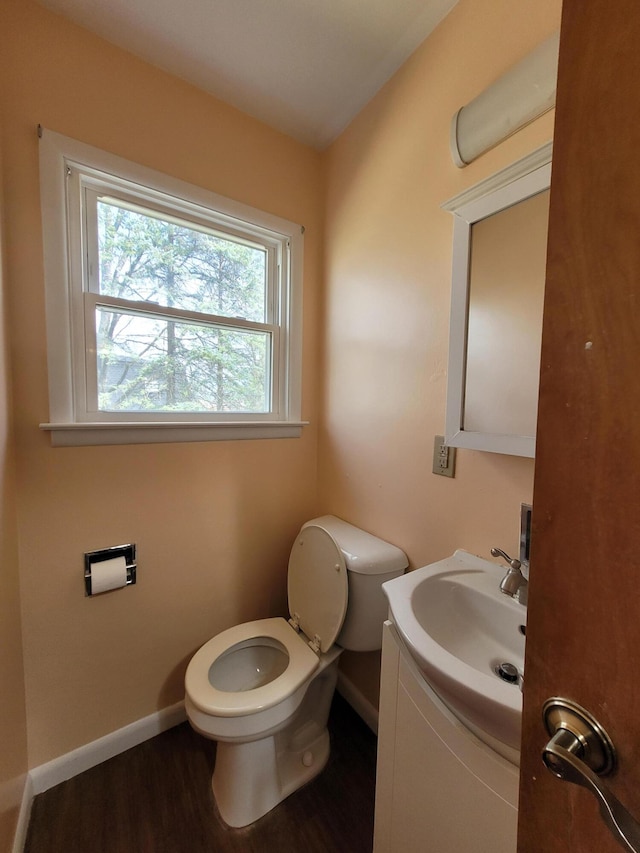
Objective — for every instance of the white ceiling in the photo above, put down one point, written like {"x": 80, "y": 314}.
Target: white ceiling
{"x": 305, "y": 67}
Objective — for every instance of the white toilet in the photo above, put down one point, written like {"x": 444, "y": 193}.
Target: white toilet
{"x": 263, "y": 689}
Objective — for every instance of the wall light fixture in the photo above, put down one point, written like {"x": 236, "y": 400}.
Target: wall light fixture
{"x": 520, "y": 95}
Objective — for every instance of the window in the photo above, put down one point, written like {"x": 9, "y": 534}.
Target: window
{"x": 173, "y": 314}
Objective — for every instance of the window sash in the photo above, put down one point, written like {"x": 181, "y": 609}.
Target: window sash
{"x": 88, "y": 213}
{"x": 84, "y": 262}
{"x": 89, "y": 377}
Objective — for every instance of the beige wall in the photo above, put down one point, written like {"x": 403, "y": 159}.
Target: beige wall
{"x": 388, "y": 269}
{"x": 212, "y": 521}
{"x": 13, "y": 734}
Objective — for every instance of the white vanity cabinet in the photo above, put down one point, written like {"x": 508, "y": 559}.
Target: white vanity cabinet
{"x": 439, "y": 788}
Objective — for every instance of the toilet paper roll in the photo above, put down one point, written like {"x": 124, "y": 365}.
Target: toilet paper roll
{"x": 108, "y": 574}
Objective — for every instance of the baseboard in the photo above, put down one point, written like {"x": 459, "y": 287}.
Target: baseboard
{"x": 358, "y": 701}
{"x": 20, "y": 837}
{"x": 66, "y": 766}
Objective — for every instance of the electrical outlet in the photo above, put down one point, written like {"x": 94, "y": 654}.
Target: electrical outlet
{"x": 444, "y": 458}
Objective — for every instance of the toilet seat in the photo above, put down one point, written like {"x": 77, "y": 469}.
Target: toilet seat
{"x": 208, "y": 699}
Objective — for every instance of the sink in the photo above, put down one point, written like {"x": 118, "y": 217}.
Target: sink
{"x": 458, "y": 628}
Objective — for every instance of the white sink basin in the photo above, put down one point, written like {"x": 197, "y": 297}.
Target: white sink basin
{"x": 459, "y": 628}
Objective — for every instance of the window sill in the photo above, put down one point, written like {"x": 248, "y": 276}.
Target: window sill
{"x": 87, "y": 434}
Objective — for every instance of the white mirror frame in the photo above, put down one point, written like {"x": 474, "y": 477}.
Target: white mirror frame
{"x": 523, "y": 179}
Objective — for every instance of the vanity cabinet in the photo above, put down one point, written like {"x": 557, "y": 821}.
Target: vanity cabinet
{"x": 439, "y": 788}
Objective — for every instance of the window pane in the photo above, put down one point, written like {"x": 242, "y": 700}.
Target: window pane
{"x": 148, "y": 259}
{"x": 152, "y": 364}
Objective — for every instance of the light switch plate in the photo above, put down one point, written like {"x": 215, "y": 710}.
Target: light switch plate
{"x": 444, "y": 458}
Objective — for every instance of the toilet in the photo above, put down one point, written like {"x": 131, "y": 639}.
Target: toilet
{"x": 263, "y": 689}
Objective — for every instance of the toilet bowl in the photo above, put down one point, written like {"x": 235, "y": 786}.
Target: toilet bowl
{"x": 248, "y": 680}
{"x": 263, "y": 689}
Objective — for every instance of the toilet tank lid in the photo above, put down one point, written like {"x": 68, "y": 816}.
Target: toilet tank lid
{"x": 363, "y": 553}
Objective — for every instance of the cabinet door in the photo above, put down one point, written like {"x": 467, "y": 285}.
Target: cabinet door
{"x": 439, "y": 787}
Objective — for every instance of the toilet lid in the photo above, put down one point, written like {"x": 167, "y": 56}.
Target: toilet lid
{"x": 317, "y": 585}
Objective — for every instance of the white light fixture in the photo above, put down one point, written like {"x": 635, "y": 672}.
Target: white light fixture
{"x": 524, "y": 92}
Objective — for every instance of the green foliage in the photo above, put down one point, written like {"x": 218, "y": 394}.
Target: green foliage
{"x": 148, "y": 362}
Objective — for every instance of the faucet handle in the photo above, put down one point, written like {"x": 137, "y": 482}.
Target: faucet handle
{"x": 497, "y": 552}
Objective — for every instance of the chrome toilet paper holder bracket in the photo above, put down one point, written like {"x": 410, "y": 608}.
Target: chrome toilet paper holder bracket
{"x": 92, "y": 558}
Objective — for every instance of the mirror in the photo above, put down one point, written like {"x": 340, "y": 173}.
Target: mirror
{"x": 499, "y": 260}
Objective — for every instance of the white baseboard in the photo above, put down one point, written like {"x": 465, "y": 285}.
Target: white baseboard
{"x": 66, "y": 766}
{"x": 20, "y": 837}
{"x": 358, "y": 701}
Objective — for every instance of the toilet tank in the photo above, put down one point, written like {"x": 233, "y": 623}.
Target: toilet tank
{"x": 370, "y": 562}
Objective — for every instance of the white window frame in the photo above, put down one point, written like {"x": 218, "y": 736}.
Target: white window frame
{"x": 71, "y": 174}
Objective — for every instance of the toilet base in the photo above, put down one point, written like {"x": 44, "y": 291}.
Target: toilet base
{"x": 249, "y": 779}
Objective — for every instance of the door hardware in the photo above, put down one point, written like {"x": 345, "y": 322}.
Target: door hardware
{"x": 580, "y": 751}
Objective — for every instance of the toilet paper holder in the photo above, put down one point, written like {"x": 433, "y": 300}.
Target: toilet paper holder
{"x": 92, "y": 558}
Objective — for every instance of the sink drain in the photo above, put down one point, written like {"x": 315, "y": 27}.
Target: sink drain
{"x": 507, "y": 672}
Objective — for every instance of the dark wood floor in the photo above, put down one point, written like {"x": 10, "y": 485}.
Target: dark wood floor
{"x": 156, "y": 798}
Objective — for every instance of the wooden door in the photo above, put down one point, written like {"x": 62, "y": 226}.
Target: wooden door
{"x": 583, "y": 638}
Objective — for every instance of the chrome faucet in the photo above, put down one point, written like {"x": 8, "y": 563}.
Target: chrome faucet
{"x": 514, "y": 582}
